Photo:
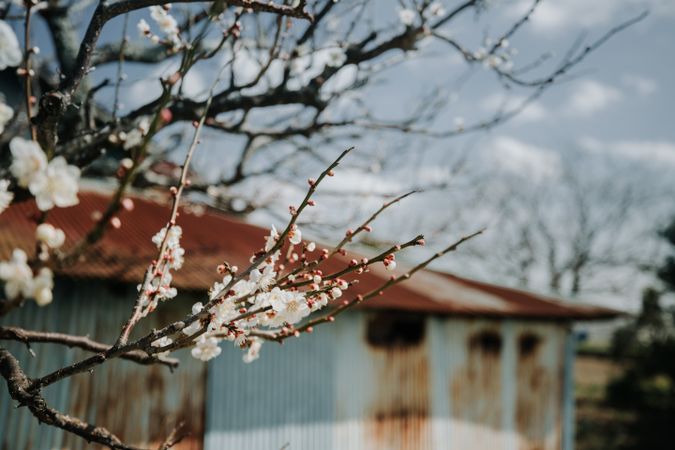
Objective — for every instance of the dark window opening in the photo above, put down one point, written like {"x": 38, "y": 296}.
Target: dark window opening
{"x": 487, "y": 341}
{"x": 396, "y": 329}
{"x": 528, "y": 344}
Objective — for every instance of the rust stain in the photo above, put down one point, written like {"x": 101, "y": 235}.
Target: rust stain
{"x": 398, "y": 415}
{"x": 536, "y": 393}
{"x": 476, "y": 387}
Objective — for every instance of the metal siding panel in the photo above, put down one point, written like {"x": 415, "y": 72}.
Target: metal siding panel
{"x": 468, "y": 385}
{"x": 540, "y": 385}
{"x": 283, "y": 398}
{"x": 138, "y": 403}
{"x": 476, "y": 383}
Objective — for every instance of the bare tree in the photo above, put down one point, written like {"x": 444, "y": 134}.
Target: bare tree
{"x": 566, "y": 232}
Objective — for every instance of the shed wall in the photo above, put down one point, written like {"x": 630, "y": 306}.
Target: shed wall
{"x": 465, "y": 384}
{"x": 140, "y": 404}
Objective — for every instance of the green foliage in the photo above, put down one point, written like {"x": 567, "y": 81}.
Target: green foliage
{"x": 648, "y": 345}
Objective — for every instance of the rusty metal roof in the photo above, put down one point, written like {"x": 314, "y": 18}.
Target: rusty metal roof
{"x": 210, "y": 237}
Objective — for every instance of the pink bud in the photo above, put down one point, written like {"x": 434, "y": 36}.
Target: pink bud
{"x": 128, "y": 204}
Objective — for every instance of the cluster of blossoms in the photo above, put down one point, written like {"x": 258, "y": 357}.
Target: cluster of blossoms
{"x": 20, "y": 279}
{"x": 273, "y": 297}
{"x": 53, "y": 183}
{"x": 166, "y": 22}
{"x": 407, "y": 16}
{"x": 498, "y": 58}
{"x": 135, "y": 137}
{"x": 21, "y": 282}
{"x": 263, "y": 300}
{"x": 157, "y": 284}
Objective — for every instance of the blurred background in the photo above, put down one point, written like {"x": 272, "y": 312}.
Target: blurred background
{"x": 556, "y": 140}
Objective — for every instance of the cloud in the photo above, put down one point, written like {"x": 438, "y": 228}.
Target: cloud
{"x": 642, "y": 85}
{"x": 657, "y": 153}
{"x": 556, "y": 16}
{"x": 524, "y": 159}
{"x": 534, "y": 112}
{"x": 590, "y": 97}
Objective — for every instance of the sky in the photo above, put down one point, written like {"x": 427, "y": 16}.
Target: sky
{"x": 610, "y": 121}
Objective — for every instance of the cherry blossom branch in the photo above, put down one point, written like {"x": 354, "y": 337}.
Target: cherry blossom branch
{"x": 330, "y": 317}
{"x": 294, "y": 217}
{"x": 28, "y": 336}
{"x": 353, "y": 267}
{"x": 177, "y": 193}
{"x": 349, "y": 236}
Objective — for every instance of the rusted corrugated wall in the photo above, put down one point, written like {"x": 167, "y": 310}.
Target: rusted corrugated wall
{"x": 383, "y": 381}
{"x": 140, "y": 404}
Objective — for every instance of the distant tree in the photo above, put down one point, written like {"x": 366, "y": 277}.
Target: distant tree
{"x": 647, "y": 345}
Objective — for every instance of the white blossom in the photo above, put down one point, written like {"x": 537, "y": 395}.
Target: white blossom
{"x": 406, "y": 16}
{"x": 320, "y": 302}
{"x": 10, "y": 52}
{"x": 6, "y": 114}
{"x": 6, "y": 197}
{"x": 436, "y": 9}
{"x": 167, "y": 24}
{"x": 28, "y": 160}
{"x": 206, "y": 348}
{"x": 295, "y": 235}
{"x": 271, "y": 240}
{"x": 253, "y": 352}
{"x": 218, "y": 287}
{"x": 311, "y": 247}
{"x": 17, "y": 275}
{"x": 336, "y": 292}
{"x": 196, "y": 325}
{"x": 290, "y": 306}
{"x": 134, "y": 138}
{"x": 263, "y": 279}
{"x": 50, "y": 235}
{"x": 143, "y": 27}
{"x": 164, "y": 20}
{"x": 336, "y": 57}
{"x": 243, "y": 288}
{"x": 42, "y": 286}
{"x": 222, "y": 313}
{"x": 174, "y": 253}
{"x": 162, "y": 342}
{"x": 56, "y": 186}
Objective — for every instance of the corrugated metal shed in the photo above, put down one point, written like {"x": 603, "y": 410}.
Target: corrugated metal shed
{"x": 211, "y": 237}
{"x": 437, "y": 362}
{"x": 453, "y": 384}
{"x": 139, "y": 403}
